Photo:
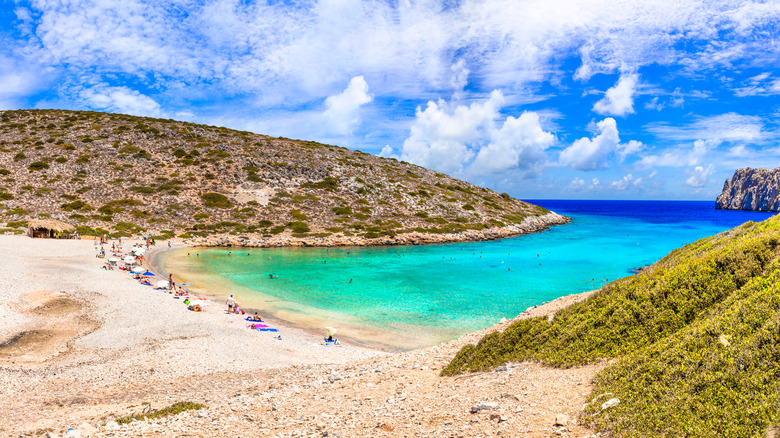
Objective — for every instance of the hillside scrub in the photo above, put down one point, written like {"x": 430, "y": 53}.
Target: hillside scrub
{"x": 176, "y": 171}
{"x": 696, "y": 337}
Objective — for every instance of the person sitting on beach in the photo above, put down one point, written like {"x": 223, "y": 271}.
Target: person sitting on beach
{"x": 145, "y": 281}
{"x": 257, "y": 317}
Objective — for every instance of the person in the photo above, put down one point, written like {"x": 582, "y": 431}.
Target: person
{"x": 271, "y": 276}
{"x": 230, "y": 302}
{"x": 257, "y": 317}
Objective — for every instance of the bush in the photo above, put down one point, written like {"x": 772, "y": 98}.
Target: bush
{"x": 143, "y": 190}
{"x": 329, "y": 183}
{"x": 216, "y": 200}
{"x": 695, "y": 337}
{"x": 38, "y": 165}
{"x": 76, "y": 205}
{"x": 296, "y": 214}
{"x": 298, "y": 227}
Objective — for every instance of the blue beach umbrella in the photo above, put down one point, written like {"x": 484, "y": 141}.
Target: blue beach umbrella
{"x": 148, "y": 274}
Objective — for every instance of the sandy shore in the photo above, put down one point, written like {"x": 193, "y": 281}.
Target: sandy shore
{"x": 80, "y": 346}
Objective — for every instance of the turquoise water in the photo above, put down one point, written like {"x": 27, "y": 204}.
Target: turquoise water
{"x": 447, "y": 290}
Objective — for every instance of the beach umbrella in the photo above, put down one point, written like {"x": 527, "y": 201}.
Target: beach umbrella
{"x": 113, "y": 260}
{"x": 148, "y": 274}
{"x": 138, "y": 251}
{"x": 130, "y": 260}
{"x": 137, "y": 270}
{"x": 330, "y": 331}
{"x": 162, "y": 283}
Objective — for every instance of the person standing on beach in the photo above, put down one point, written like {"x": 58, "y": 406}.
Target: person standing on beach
{"x": 230, "y": 302}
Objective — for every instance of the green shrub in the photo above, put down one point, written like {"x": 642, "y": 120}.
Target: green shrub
{"x": 296, "y": 214}
{"x": 5, "y": 172}
{"x": 329, "y": 183}
{"x": 298, "y": 227}
{"x": 341, "y": 211}
{"x": 200, "y": 216}
{"x": 173, "y": 409}
{"x": 76, "y": 205}
{"x": 696, "y": 338}
{"x": 216, "y": 200}
{"x": 143, "y": 190}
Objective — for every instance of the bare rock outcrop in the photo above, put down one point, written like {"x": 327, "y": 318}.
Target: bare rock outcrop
{"x": 751, "y": 189}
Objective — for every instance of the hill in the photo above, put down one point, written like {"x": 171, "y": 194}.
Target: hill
{"x": 693, "y": 341}
{"x": 216, "y": 186}
{"x": 751, "y": 189}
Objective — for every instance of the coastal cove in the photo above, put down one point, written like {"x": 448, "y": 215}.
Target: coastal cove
{"x": 406, "y": 297}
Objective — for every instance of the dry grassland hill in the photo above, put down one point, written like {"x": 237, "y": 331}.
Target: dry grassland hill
{"x": 216, "y": 186}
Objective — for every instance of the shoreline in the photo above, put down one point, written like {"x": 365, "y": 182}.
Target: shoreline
{"x": 147, "y": 347}
{"x": 530, "y": 225}
{"x": 217, "y": 299}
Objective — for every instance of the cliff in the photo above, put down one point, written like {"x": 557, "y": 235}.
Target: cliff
{"x": 751, "y": 189}
{"x": 125, "y": 175}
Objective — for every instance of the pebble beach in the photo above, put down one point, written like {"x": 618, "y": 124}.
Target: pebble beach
{"x": 81, "y": 347}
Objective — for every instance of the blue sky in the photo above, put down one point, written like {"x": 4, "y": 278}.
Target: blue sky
{"x": 636, "y": 99}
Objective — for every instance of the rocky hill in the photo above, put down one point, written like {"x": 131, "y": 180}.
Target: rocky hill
{"x": 751, "y": 189}
{"x": 216, "y": 186}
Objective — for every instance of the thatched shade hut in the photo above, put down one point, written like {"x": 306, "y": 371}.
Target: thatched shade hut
{"x": 49, "y": 228}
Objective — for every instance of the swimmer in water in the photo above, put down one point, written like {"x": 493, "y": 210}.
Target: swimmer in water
{"x": 271, "y": 276}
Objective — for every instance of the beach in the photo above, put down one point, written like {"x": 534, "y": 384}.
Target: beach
{"x": 81, "y": 346}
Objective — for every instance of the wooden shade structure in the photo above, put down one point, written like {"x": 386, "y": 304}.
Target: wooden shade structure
{"x": 49, "y": 228}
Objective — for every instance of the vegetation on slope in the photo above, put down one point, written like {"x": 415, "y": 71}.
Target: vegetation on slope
{"x": 98, "y": 170}
{"x": 697, "y": 338}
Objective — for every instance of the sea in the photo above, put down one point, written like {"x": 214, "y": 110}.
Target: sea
{"x": 406, "y": 297}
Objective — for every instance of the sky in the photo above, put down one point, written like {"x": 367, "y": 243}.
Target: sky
{"x": 569, "y": 99}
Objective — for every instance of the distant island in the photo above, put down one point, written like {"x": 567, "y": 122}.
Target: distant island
{"x": 213, "y": 186}
{"x": 751, "y": 189}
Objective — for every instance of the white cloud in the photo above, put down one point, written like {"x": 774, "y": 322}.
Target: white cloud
{"x": 590, "y": 154}
{"x": 619, "y": 100}
{"x": 518, "y": 144}
{"x": 630, "y": 148}
{"x": 577, "y": 184}
{"x": 731, "y": 127}
{"x": 760, "y": 85}
{"x": 341, "y": 111}
{"x": 625, "y": 183}
{"x": 698, "y": 177}
{"x": 679, "y": 157}
{"x": 121, "y": 100}
{"x": 17, "y": 81}
{"x": 447, "y": 137}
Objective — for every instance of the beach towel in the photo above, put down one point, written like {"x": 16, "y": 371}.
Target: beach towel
{"x": 254, "y": 326}
{"x": 267, "y": 329}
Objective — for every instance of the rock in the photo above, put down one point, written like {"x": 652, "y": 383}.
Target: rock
{"x": 501, "y": 368}
{"x": 561, "y": 431}
{"x": 751, "y": 189}
{"x": 112, "y": 425}
{"x": 51, "y": 435}
{"x": 87, "y": 429}
{"x": 483, "y": 407}
{"x": 610, "y": 403}
{"x": 561, "y": 420}
{"x": 72, "y": 433}
{"x": 332, "y": 377}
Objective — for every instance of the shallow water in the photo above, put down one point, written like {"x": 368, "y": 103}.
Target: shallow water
{"x": 414, "y": 296}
